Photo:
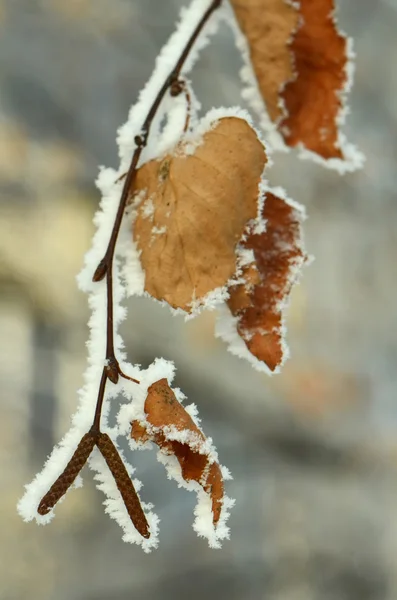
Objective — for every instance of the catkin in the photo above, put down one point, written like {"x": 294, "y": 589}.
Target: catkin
{"x": 124, "y": 484}
{"x": 72, "y": 469}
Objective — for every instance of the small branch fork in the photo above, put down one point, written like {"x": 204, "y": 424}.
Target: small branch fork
{"x": 112, "y": 371}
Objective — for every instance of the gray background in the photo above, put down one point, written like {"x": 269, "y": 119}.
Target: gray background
{"x": 313, "y": 451}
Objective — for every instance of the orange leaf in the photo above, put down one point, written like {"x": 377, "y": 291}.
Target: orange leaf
{"x": 163, "y": 411}
{"x": 304, "y": 101}
{"x": 313, "y": 100}
{"x": 259, "y": 301}
{"x": 195, "y": 210}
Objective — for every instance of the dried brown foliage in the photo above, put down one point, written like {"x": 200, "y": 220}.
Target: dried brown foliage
{"x": 268, "y": 26}
{"x": 162, "y": 411}
{"x": 201, "y": 204}
{"x": 305, "y": 36}
{"x": 258, "y": 303}
{"x": 313, "y": 99}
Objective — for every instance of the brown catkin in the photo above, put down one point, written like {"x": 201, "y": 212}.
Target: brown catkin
{"x": 72, "y": 469}
{"x": 124, "y": 484}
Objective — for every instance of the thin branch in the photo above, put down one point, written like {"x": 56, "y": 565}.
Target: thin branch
{"x": 112, "y": 371}
{"x": 105, "y": 267}
{"x": 177, "y": 87}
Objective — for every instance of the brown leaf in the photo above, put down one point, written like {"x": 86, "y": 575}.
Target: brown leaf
{"x": 313, "y": 100}
{"x": 268, "y": 26}
{"x": 163, "y": 410}
{"x": 258, "y": 302}
{"x": 195, "y": 211}
{"x": 305, "y": 35}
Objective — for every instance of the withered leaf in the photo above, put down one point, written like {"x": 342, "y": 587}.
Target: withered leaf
{"x": 195, "y": 210}
{"x": 258, "y": 303}
{"x": 162, "y": 411}
{"x": 281, "y": 34}
{"x": 268, "y": 26}
{"x": 313, "y": 100}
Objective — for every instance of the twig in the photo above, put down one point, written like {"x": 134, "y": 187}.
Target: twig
{"x": 177, "y": 87}
{"x": 105, "y": 268}
{"x": 111, "y": 370}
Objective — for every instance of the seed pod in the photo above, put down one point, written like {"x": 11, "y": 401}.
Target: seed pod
{"x": 67, "y": 477}
{"x": 124, "y": 484}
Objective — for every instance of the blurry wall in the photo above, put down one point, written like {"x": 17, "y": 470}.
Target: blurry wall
{"x": 313, "y": 451}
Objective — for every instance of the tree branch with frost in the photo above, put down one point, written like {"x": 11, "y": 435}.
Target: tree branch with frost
{"x": 195, "y": 225}
{"x": 105, "y": 268}
{"x": 112, "y": 370}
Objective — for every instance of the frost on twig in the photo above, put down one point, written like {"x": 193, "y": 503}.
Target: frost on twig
{"x": 90, "y": 435}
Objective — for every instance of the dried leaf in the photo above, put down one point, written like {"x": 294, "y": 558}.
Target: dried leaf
{"x": 259, "y": 301}
{"x": 195, "y": 211}
{"x": 269, "y": 26}
{"x": 281, "y": 34}
{"x": 164, "y": 411}
{"x": 313, "y": 100}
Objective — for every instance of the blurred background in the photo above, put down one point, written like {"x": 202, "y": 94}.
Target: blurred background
{"x": 313, "y": 451}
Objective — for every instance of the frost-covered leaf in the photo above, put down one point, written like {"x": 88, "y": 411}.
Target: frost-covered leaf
{"x": 171, "y": 427}
{"x": 258, "y": 303}
{"x": 314, "y": 99}
{"x": 268, "y": 26}
{"x": 301, "y": 63}
{"x": 202, "y": 226}
{"x": 195, "y": 207}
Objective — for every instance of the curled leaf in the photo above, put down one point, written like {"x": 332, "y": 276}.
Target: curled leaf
{"x": 171, "y": 427}
{"x": 195, "y": 210}
{"x": 258, "y": 301}
{"x": 300, "y": 61}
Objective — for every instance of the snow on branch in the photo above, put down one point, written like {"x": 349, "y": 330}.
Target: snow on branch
{"x": 190, "y": 221}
